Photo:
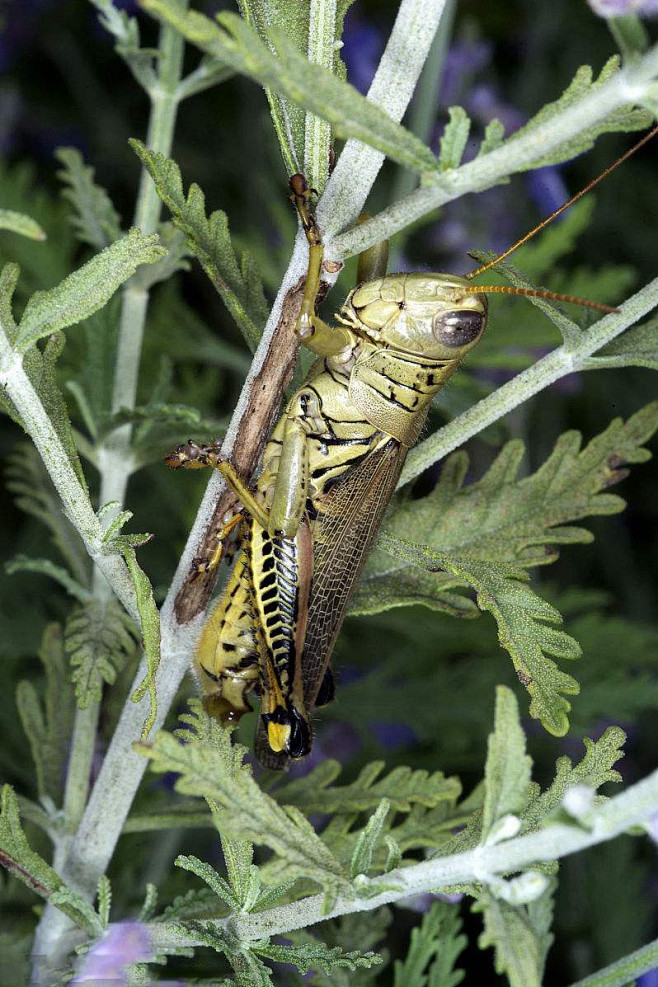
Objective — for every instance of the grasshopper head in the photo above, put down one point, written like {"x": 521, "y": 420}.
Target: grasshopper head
{"x": 432, "y": 315}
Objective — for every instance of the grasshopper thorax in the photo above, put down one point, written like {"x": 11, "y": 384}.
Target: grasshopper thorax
{"x": 436, "y": 316}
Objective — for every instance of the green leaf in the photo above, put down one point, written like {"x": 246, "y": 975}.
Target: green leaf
{"x": 208, "y": 238}
{"x": 508, "y": 767}
{"x": 433, "y": 950}
{"x": 175, "y": 258}
{"x": 637, "y": 347}
{"x": 150, "y": 631}
{"x": 44, "y": 567}
{"x": 293, "y": 19}
{"x": 199, "y": 903}
{"x": 22, "y": 862}
{"x": 35, "y": 494}
{"x": 488, "y": 533}
{"x": 289, "y": 73}
{"x": 94, "y": 219}
{"x": 48, "y": 720}
{"x": 368, "y": 839}
{"x": 203, "y": 759}
{"x": 104, "y": 894}
{"x": 18, "y": 222}
{"x": 595, "y": 769}
{"x": 454, "y": 138}
{"x": 215, "y": 881}
{"x": 402, "y": 787}
{"x": 624, "y": 119}
{"x": 522, "y": 619}
{"x": 316, "y": 955}
{"x": 520, "y": 936}
{"x": 99, "y": 640}
{"x": 125, "y": 31}
{"x": 87, "y": 289}
{"x": 493, "y": 137}
{"x": 40, "y": 369}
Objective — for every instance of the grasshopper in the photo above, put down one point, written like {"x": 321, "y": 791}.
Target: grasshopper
{"x": 329, "y": 471}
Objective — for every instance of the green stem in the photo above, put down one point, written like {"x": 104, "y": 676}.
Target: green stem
{"x": 624, "y": 971}
{"x": 83, "y": 743}
{"x": 546, "y": 371}
{"x": 115, "y": 465}
{"x": 115, "y": 458}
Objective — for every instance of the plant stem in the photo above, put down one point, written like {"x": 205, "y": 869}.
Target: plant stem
{"x": 115, "y": 466}
{"x": 423, "y": 110}
{"x": 624, "y": 971}
{"x": 114, "y": 457}
{"x": 629, "y": 86}
{"x": 75, "y": 500}
{"x": 546, "y": 371}
{"x": 392, "y": 88}
{"x": 631, "y": 808}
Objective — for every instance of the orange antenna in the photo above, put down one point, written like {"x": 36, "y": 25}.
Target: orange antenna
{"x": 554, "y": 215}
{"x": 503, "y": 289}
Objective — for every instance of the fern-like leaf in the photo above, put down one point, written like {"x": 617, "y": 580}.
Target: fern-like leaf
{"x": 99, "y": 640}
{"x": 402, "y": 786}
{"x": 433, "y": 950}
{"x": 48, "y": 722}
{"x": 94, "y": 218}
{"x": 209, "y": 239}
{"x": 206, "y": 763}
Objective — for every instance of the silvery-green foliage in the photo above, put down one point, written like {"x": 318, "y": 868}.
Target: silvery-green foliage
{"x": 356, "y": 871}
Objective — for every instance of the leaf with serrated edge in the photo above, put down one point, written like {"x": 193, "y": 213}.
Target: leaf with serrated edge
{"x": 209, "y": 239}
{"x": 94, "y": 219}
{"x": 249, "y": 813}
{"x": 433, "y": 950}
{"x": 87, "y": 289}
{"x": 294, "y": 77}
{"x": 508, "y": 767}
{"x": 17, "y": 856}
{"x": 150, "y": 627}
{"x": 454, "y": 138}
{"x": 402, "y": 786}
{"x": 626, "y": 118}
{"x": 99, "y": 640}
{"x": 519, "y": 935}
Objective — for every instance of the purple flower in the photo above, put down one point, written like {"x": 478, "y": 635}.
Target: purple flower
{"x": 123, "y": 944}
{"x": 363, "y": 44}
{"x": 392, "y": 735}
{"x": 463, "y": 60}
{"x": 649, "y": 979}
{"x": 619, "y": 8}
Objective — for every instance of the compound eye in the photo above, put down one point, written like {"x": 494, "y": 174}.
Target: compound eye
{"x": 457, "y": 328}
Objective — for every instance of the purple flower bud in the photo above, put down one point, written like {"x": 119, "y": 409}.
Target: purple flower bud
{"x": 122, "y": 945}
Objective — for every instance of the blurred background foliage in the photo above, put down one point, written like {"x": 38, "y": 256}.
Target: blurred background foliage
{"x": 415, "y": 686}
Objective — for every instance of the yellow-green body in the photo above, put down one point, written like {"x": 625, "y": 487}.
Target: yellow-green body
{"x": 329, "y": 470}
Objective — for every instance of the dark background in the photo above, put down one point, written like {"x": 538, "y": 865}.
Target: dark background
{"x": 414, "y": 686}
